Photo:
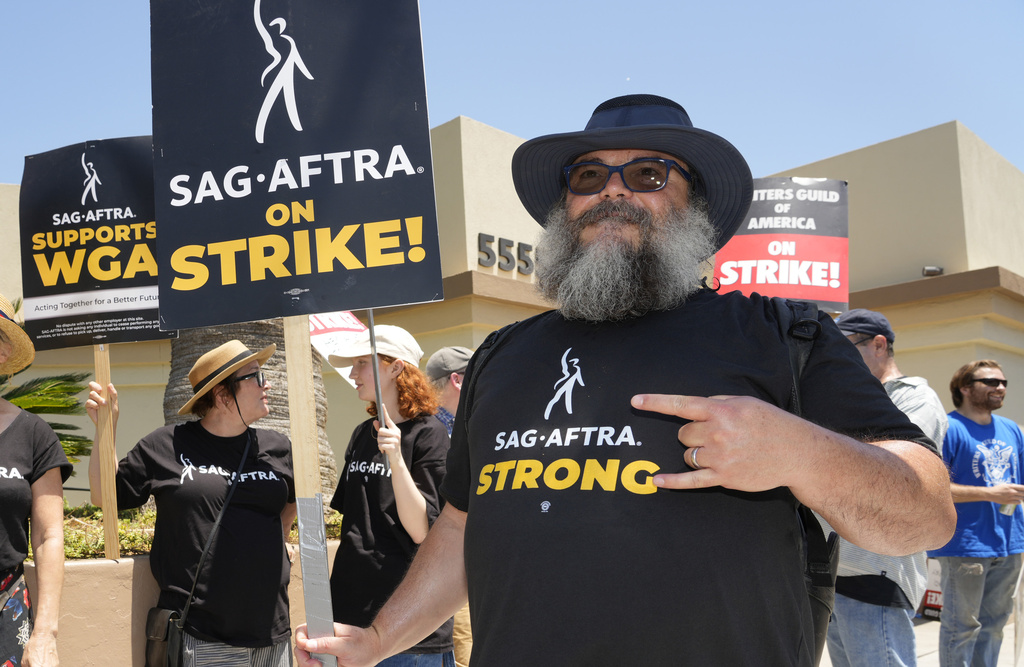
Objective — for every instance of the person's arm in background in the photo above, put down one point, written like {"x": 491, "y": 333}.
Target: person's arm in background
{"x": 48, "y": 552}
{"x": 1003, "y": 494}
{"x": 411, "y": 505}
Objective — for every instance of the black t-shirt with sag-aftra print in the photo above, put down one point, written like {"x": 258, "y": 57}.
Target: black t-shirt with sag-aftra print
{"x": 242, "y": 593}
{"x": 573, "y": 556}
{"x": 375, "y": 550}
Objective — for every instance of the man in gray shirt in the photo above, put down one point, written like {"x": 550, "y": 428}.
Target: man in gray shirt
{"x": 876, "y": 596}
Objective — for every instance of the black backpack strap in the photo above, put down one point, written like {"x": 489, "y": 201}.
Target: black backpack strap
{"x": 798, "y": 322}
{"x": 799, "y": 325}
{"x": 480, "y": 357}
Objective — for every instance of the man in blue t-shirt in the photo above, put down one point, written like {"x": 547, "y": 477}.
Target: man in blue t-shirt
{"x": 980, "y": 565}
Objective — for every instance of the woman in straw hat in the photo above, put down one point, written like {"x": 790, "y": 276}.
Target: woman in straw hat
{"x": 239, "y": 613}
{"x": 33, "y": 468}
{"x": 388, "y": 488}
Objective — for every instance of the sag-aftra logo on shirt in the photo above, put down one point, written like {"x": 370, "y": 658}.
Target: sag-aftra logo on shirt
{"x": 188, "y": 470}
{"x": 10, "y": 473}
{"x": 588, "y": 474}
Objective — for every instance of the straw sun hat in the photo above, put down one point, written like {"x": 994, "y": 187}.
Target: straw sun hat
{"x": 217, "y": 364}
{"x": 22, "y": 351}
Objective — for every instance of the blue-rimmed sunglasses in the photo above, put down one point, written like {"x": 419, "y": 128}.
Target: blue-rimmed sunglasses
{"x": 647, "y": 174}
{"x": 261, "y": 379}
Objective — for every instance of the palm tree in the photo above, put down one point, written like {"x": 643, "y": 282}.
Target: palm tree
{"x": 192, "y": 343}
{"x": 54, "y": 395}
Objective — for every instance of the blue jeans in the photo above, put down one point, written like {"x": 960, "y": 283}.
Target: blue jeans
{"x": 976, "y": 603}
{"x": 419, "y": 660}
{"x": 867, "y": 635}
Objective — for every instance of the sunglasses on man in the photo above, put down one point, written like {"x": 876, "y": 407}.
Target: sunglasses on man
{"x": 648, "y": 174}
{"x": 992, "y": 382}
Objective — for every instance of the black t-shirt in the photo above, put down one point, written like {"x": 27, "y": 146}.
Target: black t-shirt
{"x": 28, "y": 448}
{"x": 242, "y": 594}
{"x": 375, "y": 550}
{"x": 573, "y": 556}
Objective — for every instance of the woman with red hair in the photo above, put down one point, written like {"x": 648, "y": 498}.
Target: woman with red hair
{"x": 388, "y": 488}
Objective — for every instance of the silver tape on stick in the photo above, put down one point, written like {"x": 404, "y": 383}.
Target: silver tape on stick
{"x": 316, "y": 585}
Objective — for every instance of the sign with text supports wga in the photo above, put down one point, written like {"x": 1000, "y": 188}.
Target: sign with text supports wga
{"x": 292, "y": 160}
{"x": 89, "y": 270}
{"x": 794, "y": 243}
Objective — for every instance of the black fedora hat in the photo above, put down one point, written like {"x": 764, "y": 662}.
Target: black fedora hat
{"x": 646, "y": 122}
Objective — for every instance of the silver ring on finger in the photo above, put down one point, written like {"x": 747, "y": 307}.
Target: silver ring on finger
{"x": 693, "y": 458}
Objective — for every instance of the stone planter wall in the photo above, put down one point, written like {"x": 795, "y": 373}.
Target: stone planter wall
{"x": 104, "y": 605}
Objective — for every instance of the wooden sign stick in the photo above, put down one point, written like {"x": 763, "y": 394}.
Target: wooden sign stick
{"x": 108, "y": 455}
{"x": 302, "y": 406}
{"x": 316, "y": 588}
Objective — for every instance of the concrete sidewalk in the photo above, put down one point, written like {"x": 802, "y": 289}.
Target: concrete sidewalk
{"x": 927, "y": 632}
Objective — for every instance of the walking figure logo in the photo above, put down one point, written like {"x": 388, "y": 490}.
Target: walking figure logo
{"x": 566, "y": 383}
{"x": 283, "y": 84}
{"x": 92, "y": 179}
{"x": 186, "y": 468}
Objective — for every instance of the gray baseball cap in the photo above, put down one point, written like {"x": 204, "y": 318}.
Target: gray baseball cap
{"x": 448, "y": 360}
{"x": 867, "y": 322}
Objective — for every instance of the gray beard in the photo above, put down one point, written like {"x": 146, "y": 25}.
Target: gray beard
{"x": 610, "y": 279}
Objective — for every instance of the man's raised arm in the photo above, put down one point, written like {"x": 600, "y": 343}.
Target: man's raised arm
{"x": 887, "y": 497}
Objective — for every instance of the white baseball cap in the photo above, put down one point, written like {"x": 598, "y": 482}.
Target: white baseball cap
{"x": 391, "y": 340}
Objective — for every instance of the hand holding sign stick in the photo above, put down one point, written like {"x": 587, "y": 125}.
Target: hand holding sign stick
{"x": 376, "y": 380}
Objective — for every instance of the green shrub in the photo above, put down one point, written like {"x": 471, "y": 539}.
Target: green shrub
{"x": 84, "y": 538}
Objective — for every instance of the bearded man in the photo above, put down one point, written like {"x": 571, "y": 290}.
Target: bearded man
{"x": 623, "y": 480}
{"x": 981, "y": 564}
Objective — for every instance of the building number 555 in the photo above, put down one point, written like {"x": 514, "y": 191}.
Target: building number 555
{"x": 521, "y": 261}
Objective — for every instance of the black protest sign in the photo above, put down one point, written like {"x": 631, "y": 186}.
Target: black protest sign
{"x": 794, "y": 243}
{"x": 89, "y": 270}
{"x": 292, "y": 159}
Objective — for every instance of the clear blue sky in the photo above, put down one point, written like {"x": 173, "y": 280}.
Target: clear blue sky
{"x": 788, "y": 83}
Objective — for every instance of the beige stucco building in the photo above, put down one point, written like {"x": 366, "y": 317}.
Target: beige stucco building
{"x": 939, "y": 197}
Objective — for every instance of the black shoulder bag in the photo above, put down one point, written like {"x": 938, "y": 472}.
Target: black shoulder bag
{"x": 164, "y": 627}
